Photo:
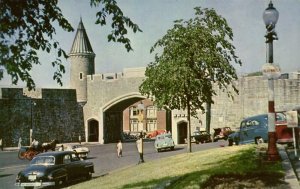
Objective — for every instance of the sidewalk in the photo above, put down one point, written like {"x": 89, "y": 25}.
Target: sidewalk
{"x": 291, "y": 166}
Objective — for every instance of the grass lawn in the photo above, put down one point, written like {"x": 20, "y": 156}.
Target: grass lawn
{"x": 224, "y": 167}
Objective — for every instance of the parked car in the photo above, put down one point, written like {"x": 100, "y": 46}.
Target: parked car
{"x": 234, "y": 138}
{"x": 221, "y": 133}
{"x": 153, "y": 134}
{"x": 54, "y": 169}
{"x": 254, "y": 129}
{"x": 82, "y": 151}
{"x": 200, "y": 137}
{"x": 163, "y": 142}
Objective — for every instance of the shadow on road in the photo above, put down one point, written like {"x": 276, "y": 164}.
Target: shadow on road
{"x": 6, "y": 175}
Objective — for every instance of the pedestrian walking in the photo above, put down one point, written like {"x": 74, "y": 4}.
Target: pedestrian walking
{"x": 1, "y": 144}
{"x": 139, "y": 145}
{"x": 20, "y": 143}
{"x": 61, "y": 148}
{"x": 79, "y": 138}
{"x": 119, "y": 148}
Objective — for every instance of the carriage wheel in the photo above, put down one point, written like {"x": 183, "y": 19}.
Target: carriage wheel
{"x": 21, "y": 154}
{"x": 30, "y": 155}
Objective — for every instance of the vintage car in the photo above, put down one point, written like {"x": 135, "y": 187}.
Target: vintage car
{"x": 82, "y": 151}
{"x": 234, "y": 138}
{"x": 254, "y": 129}
{"x": 200, "y": 137}
{"x": 54, "y": 169}
{"x": 163, "y": 142}
{"x": 221, "y": 133}
{"x": 153, "y": 134}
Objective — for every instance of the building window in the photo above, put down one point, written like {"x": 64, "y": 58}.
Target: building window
{"x": 134, "y": 111}
{"x": 151, "y": 112}
{"x": 134, "y": 125}
{"x": 151, "y": 125}
{"x": 80, "y": 76}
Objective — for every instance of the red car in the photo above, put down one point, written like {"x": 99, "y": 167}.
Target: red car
{"x": 155, "y": 133}
{"x": 221, "y": 133}
{"x": 284, "y": 134}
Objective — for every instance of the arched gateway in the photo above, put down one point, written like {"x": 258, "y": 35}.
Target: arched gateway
{"x": 104, "y": 97}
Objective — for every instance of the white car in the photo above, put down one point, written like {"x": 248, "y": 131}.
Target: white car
{"x": 82, "y": 151}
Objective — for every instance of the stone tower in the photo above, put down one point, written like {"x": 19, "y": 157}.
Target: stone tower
{"x": 82, "y": 60}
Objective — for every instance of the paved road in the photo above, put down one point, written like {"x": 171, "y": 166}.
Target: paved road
{"x": 104, "y": 158}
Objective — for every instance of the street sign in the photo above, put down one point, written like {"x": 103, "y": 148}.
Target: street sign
{"x": 292, "y": 118}
{"x": 271, "y": 71}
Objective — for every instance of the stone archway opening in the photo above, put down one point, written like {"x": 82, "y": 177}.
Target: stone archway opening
{"x": 113, "y": 119}
{"x": 182, "y": 132}
{"x": 93, "y": 131}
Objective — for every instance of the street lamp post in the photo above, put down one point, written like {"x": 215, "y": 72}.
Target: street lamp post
{"x": 31, "y": 124}
{"x": 270, "y": 17}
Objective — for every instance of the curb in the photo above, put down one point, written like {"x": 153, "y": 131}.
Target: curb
{"x": 290, "y": 176}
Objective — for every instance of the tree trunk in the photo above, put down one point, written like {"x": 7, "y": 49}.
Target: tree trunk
{"x": 208, "y": 117}
{"x": 189, "y": 146}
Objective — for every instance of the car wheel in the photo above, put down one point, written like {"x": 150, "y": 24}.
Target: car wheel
{"x": 172, "y": 148}
{"x": 197, "y": 142}
{"x": 88, "y": 175}
{"x": 230, "y": 142}
{"x": 158, "y": 150}
{"x": 28, "y": 187}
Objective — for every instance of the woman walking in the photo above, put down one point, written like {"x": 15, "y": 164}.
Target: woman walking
{"x": 119, "y": 148}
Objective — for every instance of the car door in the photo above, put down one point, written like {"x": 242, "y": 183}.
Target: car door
{"x": 249, "y": 130}
{"x": 244, "y": 132}
{"x": 72, "y": 166}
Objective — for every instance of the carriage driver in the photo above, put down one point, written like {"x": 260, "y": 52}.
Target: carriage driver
{"x": 36, "y": 145}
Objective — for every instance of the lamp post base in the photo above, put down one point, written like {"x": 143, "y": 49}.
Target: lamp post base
{"x": 272, "y": 153}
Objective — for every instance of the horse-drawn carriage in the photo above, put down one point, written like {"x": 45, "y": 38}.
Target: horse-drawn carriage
{"x": 26, "y": 152}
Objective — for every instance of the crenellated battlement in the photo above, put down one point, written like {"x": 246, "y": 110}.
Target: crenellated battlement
{"x": 127, "y": 73}
{"x": 38, "y": 93}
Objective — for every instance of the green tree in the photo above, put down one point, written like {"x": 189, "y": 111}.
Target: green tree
{"x": 193, "y": 57}
{"x": 27, "y": 27}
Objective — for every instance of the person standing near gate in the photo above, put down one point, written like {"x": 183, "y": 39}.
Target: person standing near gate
{"x": 79, "y": 138}
{"x": 1, "y": 144}
{"x": 20, "y": 143}
{"x": 139, "y": 145}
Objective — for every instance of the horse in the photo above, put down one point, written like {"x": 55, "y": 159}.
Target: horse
{"x": 30, "y": 152}
{"x": 50, "y": 146}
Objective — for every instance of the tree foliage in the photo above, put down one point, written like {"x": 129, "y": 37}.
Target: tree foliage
{"x": 192, "y": 57}
{"x": 27, "y": 27}
{"x": 195, "y": 56}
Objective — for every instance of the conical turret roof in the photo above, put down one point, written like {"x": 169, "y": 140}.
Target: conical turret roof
{"x": 81, "y": 43}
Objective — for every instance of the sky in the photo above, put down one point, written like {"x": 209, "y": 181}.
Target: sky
{"x": 155, "y": 17}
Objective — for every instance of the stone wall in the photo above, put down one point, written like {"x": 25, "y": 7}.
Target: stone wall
{"x": 51, "y": 113}
{"x": 253, "y": 99}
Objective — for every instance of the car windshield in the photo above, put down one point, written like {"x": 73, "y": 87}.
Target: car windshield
{"x": 76, "y": 146}
{"x": 42, "y": 160}
{"x": 162, "y": 137}
{"x": 280, "y": 117}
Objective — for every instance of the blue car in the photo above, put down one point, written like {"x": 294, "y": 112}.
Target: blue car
{"x": 163, "y": 142}
{"x": 252, "y": 130}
